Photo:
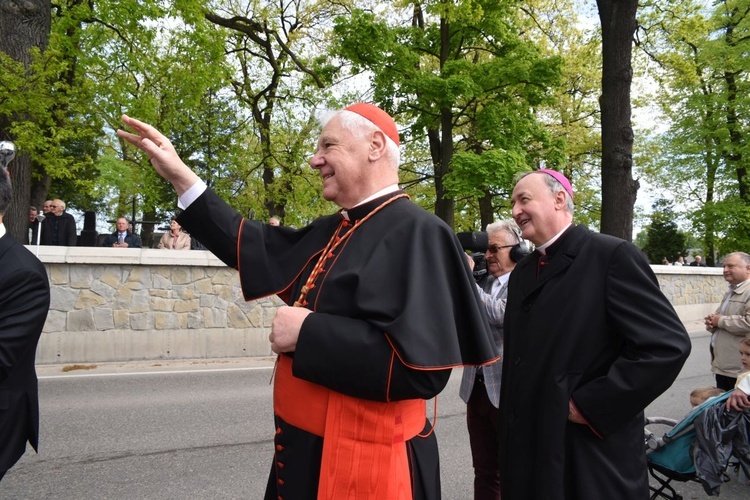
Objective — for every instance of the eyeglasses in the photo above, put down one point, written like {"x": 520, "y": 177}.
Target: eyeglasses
{"x": 496, "y": 248}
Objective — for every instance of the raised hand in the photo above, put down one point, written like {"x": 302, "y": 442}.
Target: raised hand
{"x": 160, "y": 151}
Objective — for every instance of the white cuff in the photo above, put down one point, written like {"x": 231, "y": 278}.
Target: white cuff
{"x": 192, "y": 194}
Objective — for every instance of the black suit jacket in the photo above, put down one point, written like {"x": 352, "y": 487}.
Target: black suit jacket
{"x": 132, "y": 239}
{"x": 24, "y": 302}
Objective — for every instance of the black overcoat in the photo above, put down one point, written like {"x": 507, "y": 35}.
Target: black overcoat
{"x": 24, "y": 302}
{"x": 592, "y": 326}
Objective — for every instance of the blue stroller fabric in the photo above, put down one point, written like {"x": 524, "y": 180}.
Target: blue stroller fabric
{"x": 676, "y": 455}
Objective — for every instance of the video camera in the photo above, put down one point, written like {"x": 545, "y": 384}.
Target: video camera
{"x": 475, "y": 242}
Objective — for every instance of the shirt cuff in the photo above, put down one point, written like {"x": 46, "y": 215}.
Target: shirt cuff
{"x": 192, "y": 194}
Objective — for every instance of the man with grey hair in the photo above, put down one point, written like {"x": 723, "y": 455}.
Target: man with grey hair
{"x": 59, "y": 227}
{"x": 480, "y": 386}
{"x": 24, "y": 302}
{"x": 590, "y": 341}
{"x": 380, "y": 306}
{"x": 731, "y": 321}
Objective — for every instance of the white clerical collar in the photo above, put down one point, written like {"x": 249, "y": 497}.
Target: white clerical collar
{"x": 382, "y": 192}
{"x": 2, "y": 229}
{"x": 390, "y": 189}
{"x": 542, "y": 249}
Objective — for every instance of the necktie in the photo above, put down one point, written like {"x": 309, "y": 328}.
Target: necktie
{"x": 120, "y": 239}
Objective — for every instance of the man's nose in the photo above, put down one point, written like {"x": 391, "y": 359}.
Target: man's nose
{"x": 316, "y": 161}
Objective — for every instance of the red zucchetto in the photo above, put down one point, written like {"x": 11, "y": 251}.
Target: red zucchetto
{"x": 380, "y": 118}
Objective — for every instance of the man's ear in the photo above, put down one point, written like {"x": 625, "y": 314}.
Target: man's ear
{"x": 560, "y": 199}
{"x": 377, "y": 145}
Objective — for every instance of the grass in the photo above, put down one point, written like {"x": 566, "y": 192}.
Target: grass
{"x": 70, "y": 368}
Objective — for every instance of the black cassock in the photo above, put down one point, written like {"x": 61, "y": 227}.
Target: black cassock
{"x": 395, "y": 308}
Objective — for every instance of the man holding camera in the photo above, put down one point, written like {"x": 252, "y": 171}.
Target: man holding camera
{"x": 480, "y": 386}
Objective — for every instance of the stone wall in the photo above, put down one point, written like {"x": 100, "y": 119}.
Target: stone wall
{"x": 693, "y": 291}
{"x": 111, "y": 304}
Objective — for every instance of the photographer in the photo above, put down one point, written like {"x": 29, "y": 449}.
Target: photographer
{"x": 480, "y": 386}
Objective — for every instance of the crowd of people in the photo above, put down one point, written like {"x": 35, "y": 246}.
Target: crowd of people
{"x": 54, "y": 226}
{"x": 680, "y": 261}
{"x": 563, "y": 346}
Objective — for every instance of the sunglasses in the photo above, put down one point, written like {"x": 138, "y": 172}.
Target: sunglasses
{"x": 496, "y": 248}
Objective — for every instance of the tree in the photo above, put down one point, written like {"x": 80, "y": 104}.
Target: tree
{"x": 702, "y": 89}
{"x": 560, "y": 28}
{"x": 281, "y": 78}
{"x": 619, "y": 189}
{"x": 24, "y": 31}
{"x": 466, "y": 83}
{"x": 663, "y": 238}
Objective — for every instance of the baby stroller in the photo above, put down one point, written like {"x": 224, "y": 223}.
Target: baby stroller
{"x": 674, "y": 455}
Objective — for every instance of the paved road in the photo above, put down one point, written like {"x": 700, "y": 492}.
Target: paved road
{"x": 202, "y": 430}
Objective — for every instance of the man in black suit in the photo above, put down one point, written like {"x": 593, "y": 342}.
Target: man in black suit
{"x": 122, "y": 238}
{"x": 24, "y": 302}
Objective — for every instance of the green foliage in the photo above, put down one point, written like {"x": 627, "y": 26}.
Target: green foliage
{"x": 465, "y": 61}
{"x": 518, "y": 81}
{"x": 663, "y": 238}
{"x": 702, "y": 157}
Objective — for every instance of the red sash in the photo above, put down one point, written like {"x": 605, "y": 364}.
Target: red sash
{"x": 364, "y": 442}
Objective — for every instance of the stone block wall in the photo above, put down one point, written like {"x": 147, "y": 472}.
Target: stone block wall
{"x": 129, "y": 304}
{"x": 693, "y": 291}
{"x": 110, "y": 304}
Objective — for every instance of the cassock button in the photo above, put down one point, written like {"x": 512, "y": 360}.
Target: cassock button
{"x": 279, "y": 447}
{"x": 281, "y": 482}
{"x": 511, "y": 418}
{"x": 517, "y": 361}
{"x": 526, "y": 307}
{"x": 279, "y": 465}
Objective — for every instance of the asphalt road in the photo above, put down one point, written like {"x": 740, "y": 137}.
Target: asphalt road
{"x": 202, "y": 430}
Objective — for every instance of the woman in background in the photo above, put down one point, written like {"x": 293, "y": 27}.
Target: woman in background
{"x": 175, "y": 239}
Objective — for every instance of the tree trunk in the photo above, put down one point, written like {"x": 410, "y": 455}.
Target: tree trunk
{"x": 444, "y": 206}
{"x": 24, "y": 24}
{"x": 619, "y": 189}
{"x": 486, "y": 210}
